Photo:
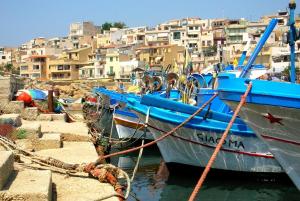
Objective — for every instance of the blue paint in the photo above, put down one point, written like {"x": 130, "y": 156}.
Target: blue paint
{"x": 292, "y": 38}
{"x": 199, "y": 123}
{"x": 283, "y": 94}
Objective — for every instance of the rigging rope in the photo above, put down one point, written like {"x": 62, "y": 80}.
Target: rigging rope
{"x": 218, "y": 147}
{"x": 98, "y": 161}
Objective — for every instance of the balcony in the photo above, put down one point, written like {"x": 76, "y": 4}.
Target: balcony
{"x": 111, "y": 74}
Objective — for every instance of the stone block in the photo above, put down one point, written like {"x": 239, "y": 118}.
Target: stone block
{"x": 6, "y": 166}
{"x": 25, "y": 144}
{"x": 48, "y": 141}
{"x": 16, "y": 106}
{"x": 30, "y": 113}
{"x": 27, "y": 185}
{"x": 32, "y": 130}
{"x": 12, "y": 107}
{"x": 59, "y": 117}
{"x": 44, "y": 117}
{"x": 11, "y": 119}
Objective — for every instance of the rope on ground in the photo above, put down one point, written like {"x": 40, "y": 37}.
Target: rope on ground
{"x": 218, "y": 147}
{"x": 98, "y": 161}
{"x": 104, "y": 173}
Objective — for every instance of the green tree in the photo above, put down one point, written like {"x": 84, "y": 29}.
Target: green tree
{"x": 106, "y": 26}
{"x": 120, "y": 25}
{"x": 8, "y": 67}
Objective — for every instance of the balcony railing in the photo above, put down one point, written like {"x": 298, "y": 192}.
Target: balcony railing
{"x": 111, "y": 73}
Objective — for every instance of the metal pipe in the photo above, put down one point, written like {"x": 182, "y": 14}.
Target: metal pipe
{"x": 292, "y": 38}
{"x": 259, "y": 46}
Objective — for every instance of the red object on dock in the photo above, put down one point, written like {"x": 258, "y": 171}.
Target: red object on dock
{"x": 25, "y": 97}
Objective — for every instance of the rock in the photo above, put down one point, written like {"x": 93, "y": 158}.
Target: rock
{"x": 25, "y": 144}
{"x": 32, "y": 130}
{"x": 48, "y": 141}
{"x": 27, "y": 185}
{"x": 44, "y": 117}
{"x": 30, "y": 113}
{"x": 11, "y": 119}
{"x": 6, "y": 166}
{"x": 59, "y": 117}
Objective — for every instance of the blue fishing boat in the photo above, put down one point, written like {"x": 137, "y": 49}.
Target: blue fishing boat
{"x": 194, "y": 143}
{"x": 272, "y": 109}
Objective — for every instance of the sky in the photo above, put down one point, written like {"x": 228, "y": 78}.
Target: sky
{"x": 22, "y": 20}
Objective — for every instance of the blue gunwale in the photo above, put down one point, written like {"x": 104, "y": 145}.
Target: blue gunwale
{"x": 197, "y": 122}
{"x": 282, "y": 94}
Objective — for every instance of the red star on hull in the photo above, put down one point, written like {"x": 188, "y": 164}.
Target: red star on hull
{"x": 273, "y": 119}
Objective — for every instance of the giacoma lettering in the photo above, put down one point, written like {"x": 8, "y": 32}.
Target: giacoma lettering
{"x": 215, "y": 140}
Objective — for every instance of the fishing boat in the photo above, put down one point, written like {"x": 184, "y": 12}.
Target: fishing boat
{"x": 272, "y": 109}
{"x": 194, "y": 143}
{"x": 127, "y": 124}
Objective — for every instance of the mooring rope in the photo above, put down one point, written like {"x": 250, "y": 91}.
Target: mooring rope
{"x": 219, "y": 145}
{"x": 71, "y": 169}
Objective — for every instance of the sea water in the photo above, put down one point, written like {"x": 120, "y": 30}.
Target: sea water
{"x": 153, "y": 181}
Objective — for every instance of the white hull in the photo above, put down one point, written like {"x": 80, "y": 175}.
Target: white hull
{"x": 280, "y": 129}
{"x": 195, "y": 147}
{"x": 128, "y": 127}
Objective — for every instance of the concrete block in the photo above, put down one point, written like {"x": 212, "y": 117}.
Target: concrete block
{"x": 6, "y": 166}
{"x": 44, "y": 117}
{"x": 16, "y": 106}
{"x": 59, "y": 117}
{"x": 30, "y": 113}
{"x": 32, "y": 130}
{"x": 48, "y": 141}
{"x": 25, "y": 144}
{"x": 28, "y": 185}
{"x": 11, "y": 119}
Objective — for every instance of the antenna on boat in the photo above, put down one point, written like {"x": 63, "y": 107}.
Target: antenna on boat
{"x": 259, "y": 46}
{"x": 292, "y": 38}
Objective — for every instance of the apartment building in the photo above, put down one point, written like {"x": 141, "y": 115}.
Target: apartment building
{"x": 67, "y": 66}
{"x": 95, "y": 68}
{"x": 5, "y": 55}
{"x": 35, "y": 67}
{"x": 161, "y": 55}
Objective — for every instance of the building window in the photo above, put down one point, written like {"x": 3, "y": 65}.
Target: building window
{"x": 209, "y": 43}
{"x": 36, "y": 75}
{"x": 3, "y": 57}
{"x": 60, "y": 67}
{"x": 111, "y": 69}
{"x": 203, "y": 43}
{"x": 117, "y": 58}
{"x": 36, "y": 67}
{"x": 191, "y": 28}
{"x": 24, "y": 68}
{"x": 111, "y": 59}
{"x": 176, "y": 36}
{"x": 67, "y": 67}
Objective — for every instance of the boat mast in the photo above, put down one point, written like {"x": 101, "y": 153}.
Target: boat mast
{"x": 292, "y": 38}
{"x": 259, "y": 46}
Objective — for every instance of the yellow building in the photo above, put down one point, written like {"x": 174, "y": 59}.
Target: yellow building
{"x": 103, "y": 40}
{"x": 35, "y": 67}
{"x": 112, "y": 64}
{"x": 67, "y": 67}
{"x": 161, "y": 55}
